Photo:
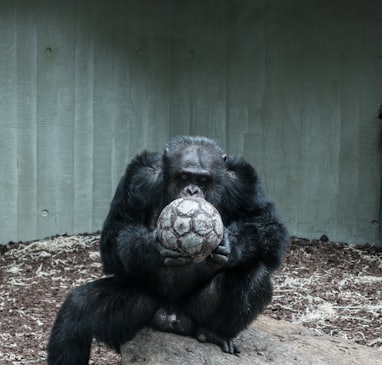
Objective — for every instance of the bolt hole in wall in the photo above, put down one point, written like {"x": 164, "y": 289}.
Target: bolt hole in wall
{"x": 45, "y": 213}
{"x": 49, "y": 51}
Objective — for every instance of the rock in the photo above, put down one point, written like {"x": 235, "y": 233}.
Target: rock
{"x": 267, "y": 341}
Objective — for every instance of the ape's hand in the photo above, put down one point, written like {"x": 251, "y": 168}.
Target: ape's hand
{"x": 173, "y": 258}
{"x": 220, "y": 256}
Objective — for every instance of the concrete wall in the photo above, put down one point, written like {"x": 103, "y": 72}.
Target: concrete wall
{"x": 291, "y": 85}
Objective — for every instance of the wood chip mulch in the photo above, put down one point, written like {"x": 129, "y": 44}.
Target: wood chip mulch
{"x": 330, "y": 287}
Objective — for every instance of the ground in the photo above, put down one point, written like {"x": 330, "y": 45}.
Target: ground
{"x": 330, "y": 287}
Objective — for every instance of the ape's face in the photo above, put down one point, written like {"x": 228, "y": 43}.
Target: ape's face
{"x": 193, "y": 174}
{"x": 194, "y": 171}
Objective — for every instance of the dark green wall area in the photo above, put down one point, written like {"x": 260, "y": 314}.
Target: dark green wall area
{"x": 291, "y": 85}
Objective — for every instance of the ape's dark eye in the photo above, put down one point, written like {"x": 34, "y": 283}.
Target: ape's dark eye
{"x": 203, "y": 179}
{"x": 184, "y": 177}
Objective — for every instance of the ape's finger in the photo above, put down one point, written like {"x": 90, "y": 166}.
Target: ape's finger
{"x": 177, "y": 261}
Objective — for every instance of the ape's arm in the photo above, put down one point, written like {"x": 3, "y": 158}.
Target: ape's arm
{"x": 258, "y": 239}
{"x": 128, "y": 239}
{"x": 253, "y": 231}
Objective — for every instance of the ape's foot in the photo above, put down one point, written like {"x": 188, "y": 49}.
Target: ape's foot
{"x": 173, "y": 322}
{"x": 227, "y": 345}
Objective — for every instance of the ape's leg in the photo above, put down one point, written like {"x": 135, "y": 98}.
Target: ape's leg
{"x": 105, "y": 309}
{"x": 223, "y": 308}
{"x": 228, "y": 304}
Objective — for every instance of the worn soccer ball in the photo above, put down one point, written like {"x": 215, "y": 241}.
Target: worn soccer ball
{"x": 191, "y": 226}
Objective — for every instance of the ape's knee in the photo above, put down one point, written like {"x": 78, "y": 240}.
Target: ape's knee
{"x": 232, "y": 301}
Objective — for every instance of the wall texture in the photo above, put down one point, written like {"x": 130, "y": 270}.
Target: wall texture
{"x": 291, "y": 85}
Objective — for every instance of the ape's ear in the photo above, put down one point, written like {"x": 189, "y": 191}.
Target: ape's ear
{"x": 224, "y": 157}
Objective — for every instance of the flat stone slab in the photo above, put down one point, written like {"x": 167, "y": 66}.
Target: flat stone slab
{"x": 267, "y": 341}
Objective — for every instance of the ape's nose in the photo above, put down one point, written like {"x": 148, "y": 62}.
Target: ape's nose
{"x": 193, "y": 190}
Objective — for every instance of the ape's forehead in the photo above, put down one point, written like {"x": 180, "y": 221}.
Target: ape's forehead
{"x": 194, "y": 153}
{"x": 192, "y": 157}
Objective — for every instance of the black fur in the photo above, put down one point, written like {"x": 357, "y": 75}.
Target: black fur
{"x": 213, "y": 300}
{"x": 379, "y": 113}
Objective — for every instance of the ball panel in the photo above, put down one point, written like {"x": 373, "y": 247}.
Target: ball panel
{"x": 192, "y": 243}
{"x": 209, "y": 209}
{"x": 201, "y": 225}
{"x": 165, "y": 220}
{"x": 213, "y": 237}
{"x": 167, "y": 235}
{"x": 218, "y": 227}
{"x": 182, "y": 225}
{"x": 187, "y": 207}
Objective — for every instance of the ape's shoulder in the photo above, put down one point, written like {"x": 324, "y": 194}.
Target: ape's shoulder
{"x": 149, "y": 161}
{"x": 243, "y": 192}
{"x": 144, "y": 168}
{"x": 142, "y": 184}
{"x": 241, "y": 170}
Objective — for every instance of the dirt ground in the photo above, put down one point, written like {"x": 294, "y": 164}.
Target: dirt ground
{"x": 329, "y": 287}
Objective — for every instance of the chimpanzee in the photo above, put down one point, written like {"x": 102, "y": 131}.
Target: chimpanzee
{"x": 148, "y": 285}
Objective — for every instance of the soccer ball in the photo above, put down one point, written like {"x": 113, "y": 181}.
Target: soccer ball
{"x": 191, "y": 226}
